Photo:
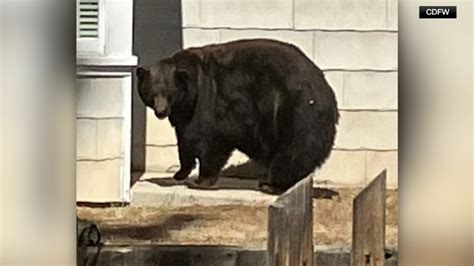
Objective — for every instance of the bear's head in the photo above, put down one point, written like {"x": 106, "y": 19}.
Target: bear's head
{"x": 171, "y": 85}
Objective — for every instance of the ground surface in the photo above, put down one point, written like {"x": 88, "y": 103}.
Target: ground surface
{"x": 229, "y": 224}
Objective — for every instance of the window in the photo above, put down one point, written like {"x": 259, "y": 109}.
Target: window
{"x": 90, "y": 26}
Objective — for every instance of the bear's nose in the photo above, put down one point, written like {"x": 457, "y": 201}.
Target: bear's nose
{"x": 161, "y": 114}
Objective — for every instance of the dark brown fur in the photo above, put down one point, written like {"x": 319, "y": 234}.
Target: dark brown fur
{"x": 262, "y": 97}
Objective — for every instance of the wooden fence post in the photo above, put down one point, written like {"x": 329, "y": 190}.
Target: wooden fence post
{"x": 290, "y": 227}
{"x": 368, "y": 226}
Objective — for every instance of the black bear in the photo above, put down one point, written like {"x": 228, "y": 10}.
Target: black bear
{"x": 260, "y": 96}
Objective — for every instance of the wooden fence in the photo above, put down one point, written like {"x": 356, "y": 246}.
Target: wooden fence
{"x": 368, "y": 224}
{"x": 290, "y": 226}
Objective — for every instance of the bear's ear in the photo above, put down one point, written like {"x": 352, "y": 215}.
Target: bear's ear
{"x": 141, "y": 72}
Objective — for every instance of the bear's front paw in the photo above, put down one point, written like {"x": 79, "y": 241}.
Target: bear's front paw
{"x": 181, "y": 174}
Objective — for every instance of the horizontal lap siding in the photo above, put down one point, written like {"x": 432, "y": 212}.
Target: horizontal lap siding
{"x": 99, "y": 139}
{"x": 353, "y": 41}
{"x": 100, "y": 147}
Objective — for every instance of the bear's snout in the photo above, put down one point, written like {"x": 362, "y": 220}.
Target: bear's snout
{"x": 161, "y": 107}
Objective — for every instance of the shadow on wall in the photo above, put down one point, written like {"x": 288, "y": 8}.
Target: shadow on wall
{"x": 157, "y": 33}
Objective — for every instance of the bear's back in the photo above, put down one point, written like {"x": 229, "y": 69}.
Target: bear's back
{"x": 253, "y": 64}
{"x": 284, "y": 56}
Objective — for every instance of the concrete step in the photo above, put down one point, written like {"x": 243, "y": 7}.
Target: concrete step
{"x": 155, "y": 189}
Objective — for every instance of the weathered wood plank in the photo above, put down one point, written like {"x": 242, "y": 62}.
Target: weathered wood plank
{"x": 368, "y": 226}
{"x": 290, "y": 227}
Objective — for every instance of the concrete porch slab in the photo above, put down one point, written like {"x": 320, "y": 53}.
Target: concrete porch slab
{"x": 156, "y": 189}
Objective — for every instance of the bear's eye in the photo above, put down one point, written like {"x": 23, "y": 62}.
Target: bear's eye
{"x": 145, "y": 95}
{"x": 149, "y": 101}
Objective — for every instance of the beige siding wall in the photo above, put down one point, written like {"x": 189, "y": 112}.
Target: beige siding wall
{"x": 353, "y": 41}
{"x": 102, "y": 137}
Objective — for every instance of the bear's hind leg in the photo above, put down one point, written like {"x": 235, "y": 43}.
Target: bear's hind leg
{"x": 278, "y": 170}
{"x": 286, "y": 168}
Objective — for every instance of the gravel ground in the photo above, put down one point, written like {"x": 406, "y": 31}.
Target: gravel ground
{"x": 227, "y": 224}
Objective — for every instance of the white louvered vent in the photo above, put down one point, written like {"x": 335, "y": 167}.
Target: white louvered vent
{"x": 88, "y": 18}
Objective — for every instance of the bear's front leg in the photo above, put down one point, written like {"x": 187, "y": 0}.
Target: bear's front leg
{"x": 186, "y": 153}
{"x": 210, "y": 164}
